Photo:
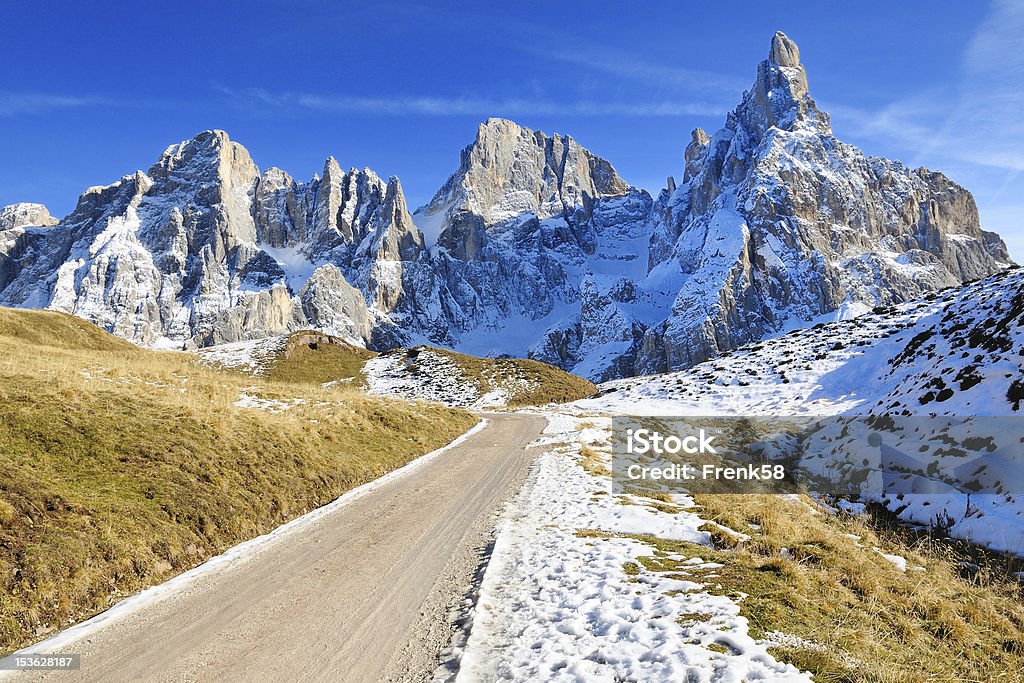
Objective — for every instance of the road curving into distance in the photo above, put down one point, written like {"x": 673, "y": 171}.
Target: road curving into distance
{"x": 362, "y": 593}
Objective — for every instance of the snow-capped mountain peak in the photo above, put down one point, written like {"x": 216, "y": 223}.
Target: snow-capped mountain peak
{"x": 778, "y": 224}
{"x": 534, "y": 245}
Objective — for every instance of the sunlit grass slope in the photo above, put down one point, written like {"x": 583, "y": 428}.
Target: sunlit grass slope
{"x": 120, "y": 467}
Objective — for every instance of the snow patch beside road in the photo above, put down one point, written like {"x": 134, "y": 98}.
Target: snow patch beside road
{"x": 558, "y": 605}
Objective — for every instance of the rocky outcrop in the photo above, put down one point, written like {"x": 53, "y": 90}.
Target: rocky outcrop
{"x": 19, "y": 227}
{"x": 353, "y": 220}
{"x": 534, "y": 246}
{"x": 334, "y": 304}
{"x": 784, "y": 52}
{"x": 518, "y": 227}
{"x": 25, "y": 215}
{"x": 509, "y": 172}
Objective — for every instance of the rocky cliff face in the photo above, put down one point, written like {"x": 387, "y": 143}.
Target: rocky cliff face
{"x": 520, "y": 227}
{"x": 777, "y": 223}
{"x": 204, "y": 249}
{"x": 25, "y": 214}
{"x": 534, "y": 246}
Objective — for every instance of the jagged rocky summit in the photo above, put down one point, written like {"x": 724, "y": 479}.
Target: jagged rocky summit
{"x": 777, "y": 223}
{"x": 534, "y": 246}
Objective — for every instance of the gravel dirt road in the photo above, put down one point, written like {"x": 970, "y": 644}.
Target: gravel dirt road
{"x": 364, "y": 593}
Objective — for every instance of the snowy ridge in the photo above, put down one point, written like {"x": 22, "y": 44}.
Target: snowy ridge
{"x": 881, "y": 361}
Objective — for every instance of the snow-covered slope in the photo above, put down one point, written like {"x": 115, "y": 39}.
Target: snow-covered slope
{"x": 958, "y": 353}
{"x": 557, "y": 605}
{"x": 533, "y": 247}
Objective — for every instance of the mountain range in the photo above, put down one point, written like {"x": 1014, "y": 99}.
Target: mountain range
{"x": 533, "y": 247}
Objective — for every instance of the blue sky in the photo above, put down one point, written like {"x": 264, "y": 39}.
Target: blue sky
{"x": 92, "y": 91}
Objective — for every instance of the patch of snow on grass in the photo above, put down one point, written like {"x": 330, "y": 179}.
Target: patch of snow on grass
{"x": 252, "y": 356}
{"x": 271, "y": 405}
{"x": 426, "y": 375}
{"x": 431, "y": 377}
{"x": 898, "y": 561}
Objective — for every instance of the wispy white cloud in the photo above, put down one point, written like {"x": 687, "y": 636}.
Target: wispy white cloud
{"x": 632, "y": 68}
{"x": 980, "y": 120}
{"x": 462, "y": 106}
{"x": 973, "y": 130}
{"x": 18, "y": 103}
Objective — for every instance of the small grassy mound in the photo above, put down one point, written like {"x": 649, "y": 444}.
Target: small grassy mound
{"x": 528, "y": 382}
{"x": 315, "y": 358}
{"x": 856, "y": 617}
{"x": 310, "y": 357}
{"x": 553, "y": 385}
{"x": 121, "y": 467}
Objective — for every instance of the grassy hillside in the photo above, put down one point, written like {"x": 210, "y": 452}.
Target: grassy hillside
{"x": 539, "y": 383}
{"x": 121, "y": 467}
{"x": 50, "y": 329}
{"x": 421, "y": 373}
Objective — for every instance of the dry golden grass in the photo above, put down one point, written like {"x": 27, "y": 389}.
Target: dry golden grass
{"x": 863, "y": 619}
{"x": 593, "y": 461}
{"x": 315, "y": 358}
{"x": 121, "y": 467}
{"x": 546, "y": 383}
